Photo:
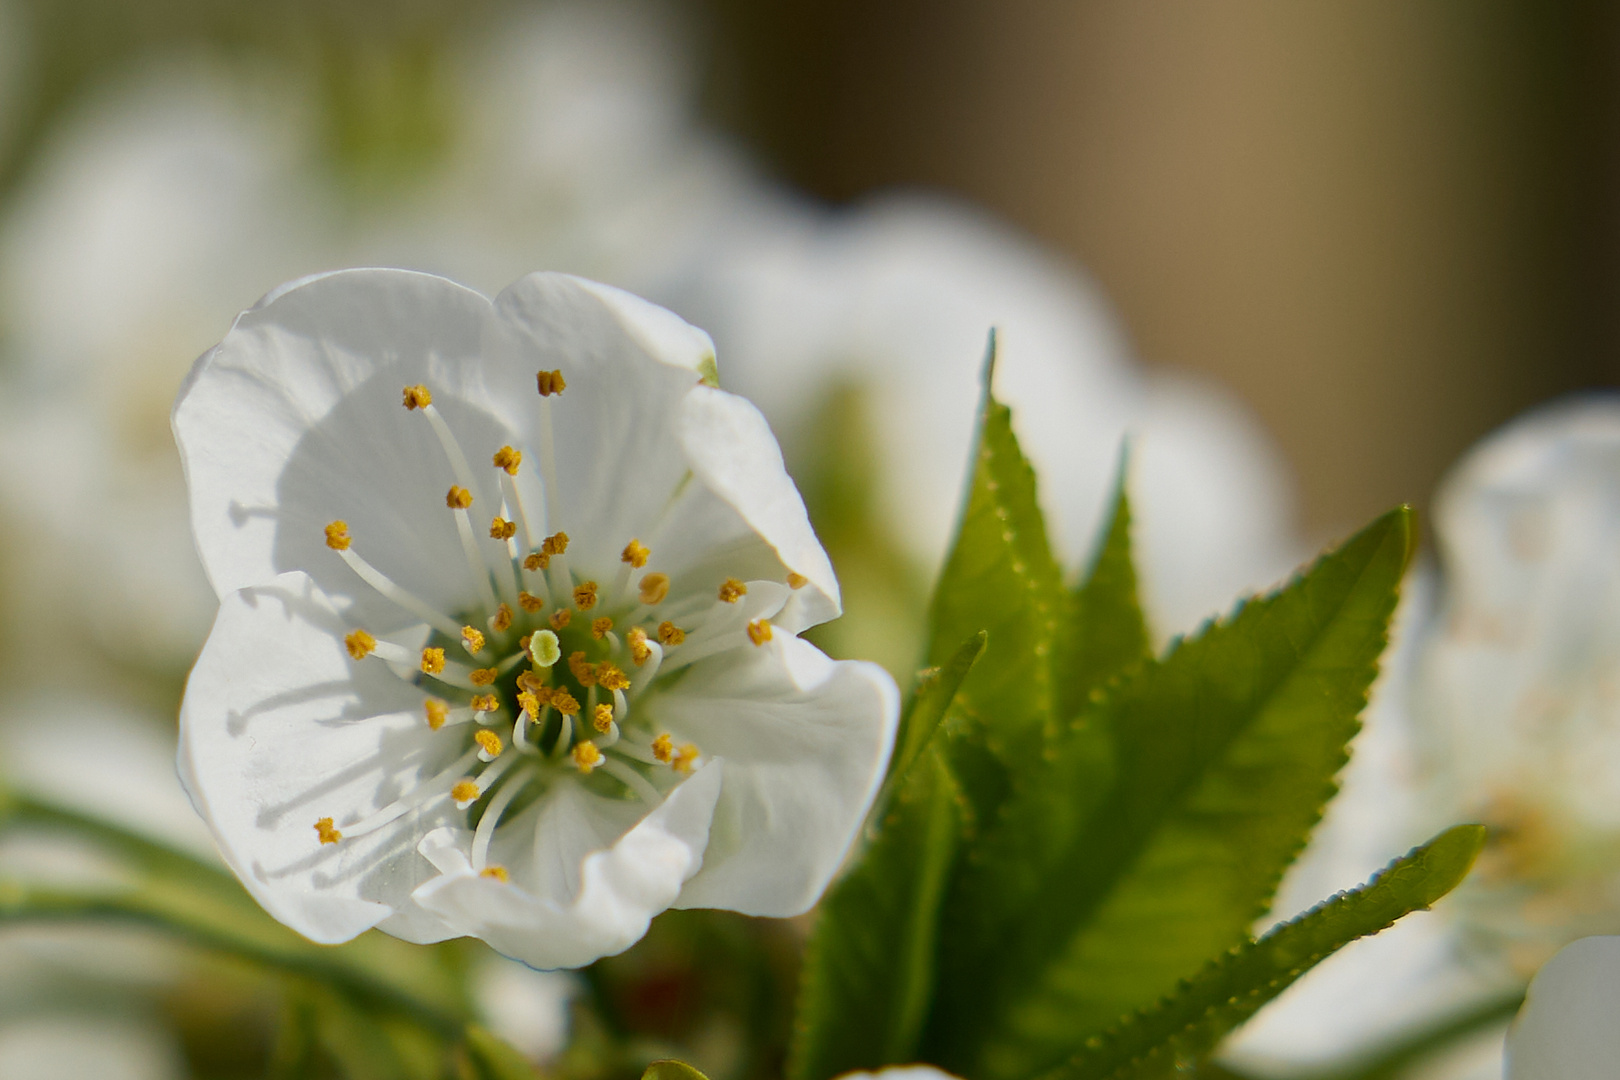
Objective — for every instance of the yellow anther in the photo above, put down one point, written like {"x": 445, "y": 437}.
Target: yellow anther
{"x": 564, "y": 702}
{"x": 654, "y": 587}
{"x": 733, "y": 590}
{"x": 465, "y": 791}
{"x": 437, "y": 713}
{"x": 684, "y": 757}
{"x": 501, "y": 529}
{"x": 560, "y": 617}
{"x": 663, "y": 748}
{"x": 495, "y": 873}
{"x": 586, "y": 756}
{"x": 483, "y": 676}
{"x": 486, "y": 702}
{"x": 635, "y": 553}
{"x": 359, "y": 644}
{"x": 602, "y": 718}
{"x": 324, "y": 830}
{"x": 537, "y": 560}
{"x": 417, "y": 397}
{"x": 583, "y": 669}
{"x": 488, "y": 742}
{"x": 550, "y": 382}
{"x": 508, "y": 459}
{"x": 585, "y": 595}
{"x": 670, "y": 634}
{"x": 610, "y": 677}
{"x": 529, "y": 602}
{"x": 640, "y": 651}
{"x": 337, "y": 536}
{"x": 555, "y": 544}
{"x": 458, "y": 498}
{"x": 433, "y": 661}
{"x": 473, "y": 637}
{"x": 503, "y": 619}
{"x": 797, "y": 581}
{"x": 759, "y": 631}
{"x": 528, "y": 680}
{"x": 600, "y": 627}
{"x": 529, "y": 702}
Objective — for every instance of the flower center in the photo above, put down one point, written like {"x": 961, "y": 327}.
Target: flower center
{"x": 542, "y": 676}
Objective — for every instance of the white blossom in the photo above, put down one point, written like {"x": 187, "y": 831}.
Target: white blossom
{"x": 1565, "y": 1029}
{"x": 503, "y": 663}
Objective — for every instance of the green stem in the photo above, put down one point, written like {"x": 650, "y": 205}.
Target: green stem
{"x": 273, "y": 946}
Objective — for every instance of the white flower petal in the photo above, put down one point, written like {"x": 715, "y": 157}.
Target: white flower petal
{"x": 280, "y": 728}
{"x": 277, "y": 443}
{"x": 1566, "y": 1029}
{"x": 566, "y": 910}
{"x": 805, "y": 740}
{"x": 734, "y": 454}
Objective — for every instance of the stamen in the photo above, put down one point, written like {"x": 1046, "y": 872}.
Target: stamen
{"x": 633, "y": 780}
{"x": 586, "y": 757}
{"x": 600, "y": 627}
{"x": 486, "y": 703}
{"x": 759, "y": 631}
{"x": 337, "y": 536}
{"x": 492, "y": 813}
{"x": 654, "y": 587}
{"x": 550, "y": 382}
{"x": 648, "y": 672}
{"x": 585, "y": 595}
{"x": 501, "y": 529}
{"x": 528, "y": 680}
{"x": 529, "y": 702}
{"x": 564, "y": 702}
{"x": 663, "y": 748}
{"x": 465, "y": 793}
{"x": 685, "y": 757}
{"x": 484, "y": 676}
{"x": 498, "y": 873}
{"x": 733, "y": 590}
{"x": 417, "y": 397}
{"x": 360, "y": 644}
{"x": 489, "y": 744}
{"x": 530, "y": 602}
{"x": 327, "y": 834}
{"x": 797, "y": 581}
{"x": 433, "y": 661}
{"x": 670, "y": 634}
{"x": 503, "y": 619}
{"x": 640, "y": 651}
{"x": 602, "y": 718}
{"x": 458, "y": 497}
{"x": 610, "y": 677}
{"x": 437, "y": 713}
{"x": 537, "y": 561}
{"x": 508, "y": 459}
{"x": 379, "y": 581}
{"x": 544, "y": 648}
{"x": 560, "y": 617}
{"x": 636, "y": 554}
{"x": 474, "y": 639}
{"x": 584, "y": 671}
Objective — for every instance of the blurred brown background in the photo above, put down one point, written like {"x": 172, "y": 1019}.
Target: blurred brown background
{"x": 1388, "y": 226}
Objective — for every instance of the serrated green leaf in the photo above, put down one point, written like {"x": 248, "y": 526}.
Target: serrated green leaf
{"x": 1106, "y": 633}
{"x": 869, "y": 970}
{"x": 936, "y": 689}
{"x": 1000, "y": 578}
{"x": 1162, "y": 1040}
{"x": 1079, "y": 906}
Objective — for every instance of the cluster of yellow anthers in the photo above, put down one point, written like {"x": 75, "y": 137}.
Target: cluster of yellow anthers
{"x": 528, "y": 611}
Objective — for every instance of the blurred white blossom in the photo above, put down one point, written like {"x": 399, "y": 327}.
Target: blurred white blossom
{"x": 1566, "y": 1029}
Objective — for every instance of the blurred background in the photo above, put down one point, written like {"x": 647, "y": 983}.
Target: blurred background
{"x": 1300, "y": 256}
